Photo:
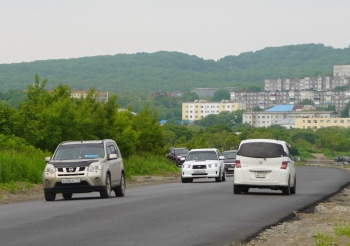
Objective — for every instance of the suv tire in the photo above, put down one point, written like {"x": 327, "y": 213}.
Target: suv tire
{"x": 120, "y": 190}
{"x": 67, "y": 195}
{"x": 224, "y": 176}
{"x": 219, "y": 179}
{"x": 106, "y": 192}
{"x": 49, "y": 196}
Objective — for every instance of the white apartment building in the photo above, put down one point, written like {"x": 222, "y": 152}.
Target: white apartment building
{"x": 280, "y": 112}
{"x": 201, "y": 108}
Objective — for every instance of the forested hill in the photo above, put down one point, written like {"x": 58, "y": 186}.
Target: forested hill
{"x": 171, "y": 71}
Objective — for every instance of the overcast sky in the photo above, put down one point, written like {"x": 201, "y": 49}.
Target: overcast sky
{"x": 211, "y": 29}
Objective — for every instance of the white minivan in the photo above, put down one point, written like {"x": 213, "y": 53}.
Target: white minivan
{"x": 264, "y": 164}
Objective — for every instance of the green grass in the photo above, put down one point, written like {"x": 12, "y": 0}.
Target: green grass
{"x": 21, "y": 165}
{"x": 16, "y": 187}
{"x": 340, "y": 236}
{"x": 149, "y": 164}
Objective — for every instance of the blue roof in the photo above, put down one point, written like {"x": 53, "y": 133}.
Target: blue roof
{"x": 280, "y": 108}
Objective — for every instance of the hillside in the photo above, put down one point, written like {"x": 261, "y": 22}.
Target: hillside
{"x": 170, "y": 71}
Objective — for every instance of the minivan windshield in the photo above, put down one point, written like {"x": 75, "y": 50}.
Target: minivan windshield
{"x": 261, "y": 150}
{"x": 79, "y": 151}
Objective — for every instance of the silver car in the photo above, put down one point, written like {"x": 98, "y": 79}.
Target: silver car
{"x": 84, "y": 166}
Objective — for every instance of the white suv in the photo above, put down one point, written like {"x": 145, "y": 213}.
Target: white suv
{"x": 264, "y": 164}
{"x": 203, "y": 163}
{"x": 84, "y": 166}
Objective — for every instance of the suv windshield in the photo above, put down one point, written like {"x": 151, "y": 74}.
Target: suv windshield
{"x": 230, "y": 154}
{"x": 181, "y": 151}
{"x": 201, "y": 155}
{"x": 261, "y": 150}
{"x": 79, "y": 151}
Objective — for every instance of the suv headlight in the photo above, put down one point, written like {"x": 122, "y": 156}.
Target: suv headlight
{"x": 50, "y": 169}
{"x": 94, "y": 167}
{"x": 212, "y": 165}
{"x": 186, "y": 166}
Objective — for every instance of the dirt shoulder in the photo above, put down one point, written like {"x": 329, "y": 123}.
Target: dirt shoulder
{"x": 24, "y": 193}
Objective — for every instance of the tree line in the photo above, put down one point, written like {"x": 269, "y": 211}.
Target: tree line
{"x": 47, "y": 117}
{"x": 145, "y": 73}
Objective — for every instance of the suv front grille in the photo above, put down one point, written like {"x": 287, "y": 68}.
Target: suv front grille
{"x": 199, "y": 166}
{"x": 70, "y": 171}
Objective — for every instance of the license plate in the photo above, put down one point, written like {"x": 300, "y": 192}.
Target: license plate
{"x": 70, "y": 181}
{"x": 198, "y": 171}
{"x": 231, "y": 169}
{"x": 260, "y": 175}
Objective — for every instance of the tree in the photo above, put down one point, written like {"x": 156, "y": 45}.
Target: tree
{"x": 345, "y": 111}
{"x": 221, "y": 94}
{"x": 306, "y": 102}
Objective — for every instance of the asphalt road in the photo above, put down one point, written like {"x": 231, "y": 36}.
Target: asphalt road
{"x": 199, "y": 213}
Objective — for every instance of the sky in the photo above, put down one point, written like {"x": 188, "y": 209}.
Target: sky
{"x": 33, "y": 30}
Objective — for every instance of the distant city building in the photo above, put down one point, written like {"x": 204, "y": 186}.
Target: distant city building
{"x": 280, "y": 112}
{"x": 200, "y": 108}
{"x": 341, "y": 70}
{"x": 266, "y": 99}
{"x": 102, "y": 95}
{"x": 317, "y": 122}
{"x": 205, "y": 92}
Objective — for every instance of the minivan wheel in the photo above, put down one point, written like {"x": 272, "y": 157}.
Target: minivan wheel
{"x": 237, "y": 189}
{"x": 294, "y": 188}
{"x": 106, "y": 192}
{"x": 67, "y": 195}
{"x": 120, "y": 190}
{"x": 286, "y": 190}
{"x": 49, "y": 196}
{"x": 245, "y": 189}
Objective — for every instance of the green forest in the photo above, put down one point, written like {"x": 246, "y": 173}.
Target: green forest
{"x": 145, "y": 73}
{"x": 47, "y": 117}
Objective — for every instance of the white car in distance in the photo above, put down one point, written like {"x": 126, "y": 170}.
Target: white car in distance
{"x": 264, "y": 164}
{"x": 203, "y": 163}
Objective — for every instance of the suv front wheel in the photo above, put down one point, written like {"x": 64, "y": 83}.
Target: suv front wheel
{"x": 120, "y": 190}
{"x": 106, "y": 192}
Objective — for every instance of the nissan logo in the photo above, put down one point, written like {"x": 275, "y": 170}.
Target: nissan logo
{"x": 71, "y": 169}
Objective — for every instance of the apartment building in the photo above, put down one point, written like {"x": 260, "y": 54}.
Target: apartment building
{"x": 201, "y": 108}
{"x": 319, "y": 122}
{"x": 267, "y": 99}
{"x": 102, "y": 95}
{"x": 280, "y": 112}
{"x": 341, "y": 70}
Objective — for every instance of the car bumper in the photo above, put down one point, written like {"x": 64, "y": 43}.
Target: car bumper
{"x": 281, "y": 180}
{"x": 206, "y": 173}
{"x": 89, "y": 182}
{"x": 230, "y": 169}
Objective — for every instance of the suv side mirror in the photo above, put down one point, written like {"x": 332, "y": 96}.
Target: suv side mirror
{"x": 221, "y": 157}
{"x": 112, "y": 156}
{"x": 47, "y": 159}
